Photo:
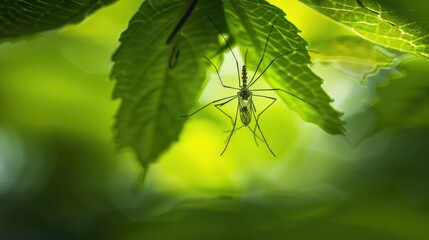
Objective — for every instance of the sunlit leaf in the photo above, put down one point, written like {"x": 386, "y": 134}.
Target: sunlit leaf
{"x": 351, "y": 55}
{"x": 154, "y": 95}
{"x": 384, "y": 22}
{"x": 20, "y": 17}
{"x": 250, "y": 23}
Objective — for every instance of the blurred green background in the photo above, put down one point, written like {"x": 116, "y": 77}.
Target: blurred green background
{"x": 62, "y": 178}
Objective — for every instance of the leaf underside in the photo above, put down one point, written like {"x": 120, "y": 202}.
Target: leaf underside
{"x": 351, "y": 55}
{"x": 153, "y": 94}
{"x": 23, "y": 17}
{"x": 379, "y": 22}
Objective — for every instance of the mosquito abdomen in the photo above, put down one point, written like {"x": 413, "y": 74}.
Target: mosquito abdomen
{"x": 245, "y": 116}
{"x": 244, "y": 75}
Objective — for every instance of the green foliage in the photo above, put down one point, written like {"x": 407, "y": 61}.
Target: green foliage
{"x": 61, "y": 178}
{"x": 20, "y": 17}
{"x": 383, "y": 22}
{"x": 276, "y": 216}
{"x": 154, "y": 94}
{"x": 404, "y": 102}
{"x": 351, "y": 55}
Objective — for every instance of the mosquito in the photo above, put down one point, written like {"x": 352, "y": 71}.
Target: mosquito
{"x": 246, "y": 109}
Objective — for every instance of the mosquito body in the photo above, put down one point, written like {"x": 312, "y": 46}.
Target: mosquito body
{"x": 246, "y": 109}
{"x": 245, "y": 103}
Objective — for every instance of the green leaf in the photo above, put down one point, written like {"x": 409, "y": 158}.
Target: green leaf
{"x": 153, "y": 94}
{"x": 250, "y": 23}
{"x": 352, "y": 55}
{"x": 20, "y": 17}
{"x": 404, "y": 102}
{"x": 385, "y": 22}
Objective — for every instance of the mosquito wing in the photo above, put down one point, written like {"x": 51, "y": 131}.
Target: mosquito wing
{"x": 246, "y": 110}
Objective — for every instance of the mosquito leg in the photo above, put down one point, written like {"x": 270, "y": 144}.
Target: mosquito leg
{"x": 218, "y": 74}
{"x": 232, "y": 131}
{"x": 262, "y": 134}
{"x": 254, "y": 130}
{"x": 271, "y": 62}
{"x": 255, "y": 135}
{"x": 293, "y": 95}
{"x": 220, "y": 109}
{"x": 265, "y": 49}
{"x": 242, "y": 126}
{"x": 230, "y": 49}
{"x": 273, "y": 100}
{"x": 222, "y": 104}
{"x": 208, "y": 104}
{"x": 257, "y": 119}
{"x": 269, "y": 105}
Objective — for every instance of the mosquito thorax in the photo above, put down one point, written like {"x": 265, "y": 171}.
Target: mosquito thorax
{"x": 244, "y": 93}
